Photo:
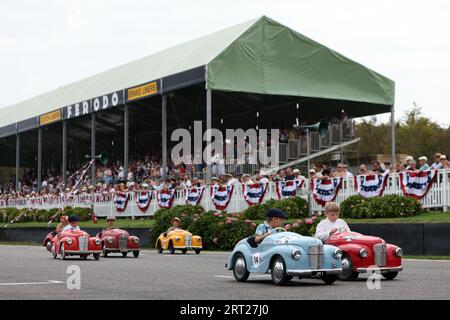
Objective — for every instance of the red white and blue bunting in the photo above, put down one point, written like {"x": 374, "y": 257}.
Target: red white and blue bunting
{"x": 121, "y": 201}
{"x": 286, "y": 189}
{"x": 143, "y": 199}
{"x": 371, "y": 185}
{"x": 165, "y": 198}
{"x": 417, "y": 184}
{"x": 325, "y": 190}
{"x": 221, "y": 196}
{"x": 193, "y": 195}
{"x": 254, "y": 193}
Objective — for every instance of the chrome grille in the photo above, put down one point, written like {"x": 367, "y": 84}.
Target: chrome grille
{"x": 315, "y": 253}
{"x": 380, "y": 254}
{"x": 123, "y": 243}
{"x": 83, "y": 243}
{"x": 188, "y": 241}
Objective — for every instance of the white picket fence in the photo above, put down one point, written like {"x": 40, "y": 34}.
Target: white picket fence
{"x": 437, "y": 197}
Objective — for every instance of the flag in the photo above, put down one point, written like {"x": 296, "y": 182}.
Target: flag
{"x": 371, "y": 185}
{"x": 193, "y": 195}
{"x": 143, "y": 199}
{"x": 221, "y": 196}
{"x": 325, "y": 190}
{"x": 254, "y": 193}
{"x": 416, "y": 184}
{"x": 286, "y": 189}
{"x": 121, "y": 201}
{"x": 165, "y": 198}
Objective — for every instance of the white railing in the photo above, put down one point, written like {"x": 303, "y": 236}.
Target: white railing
{"x": 437, "y": 197}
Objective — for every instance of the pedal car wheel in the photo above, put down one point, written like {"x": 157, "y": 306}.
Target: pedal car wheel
{"x": 197, "y": 251}
{"x": 171, "y": 248}
{"x": 389, "y": 275}
{"x": 136, "y": 254}
{"x": 54, "y": 254}
{"x": 278, "y": 271}
{"x": 240, "y": 271}
{"x": 48, "y": 245}
{"x": 96, "y": 256}
{"x": 158, "y": 247}
{"x": 62, "y": 253}
{"x": 104, "y": 251}
{"x": 329, "y": 278}
{"x": 183, "y": 251}
{"x": 124, "y": 254}
{"x": 84, "y": 256}
{"x": 347, "y": 269}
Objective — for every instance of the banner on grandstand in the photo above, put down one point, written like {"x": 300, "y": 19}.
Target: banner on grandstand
{"x": 193, "y": 195}
{"x": 221, "y": 196}
{"x": 165, "y": 198}
{"x": 417, "y": 184}
{"x": 121, "y": 201}
{"x": 254, "y": 193}
{"x": 143, "y": 199}
{"x": 325, "y": 190}
{"x": 371, "y": 185}
{"x": 286, "y": 189}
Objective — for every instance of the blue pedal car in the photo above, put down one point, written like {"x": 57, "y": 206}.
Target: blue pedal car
{"x": 285, "y": 254}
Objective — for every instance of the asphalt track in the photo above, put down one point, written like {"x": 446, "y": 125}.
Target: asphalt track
{"x": 29, "y": 272}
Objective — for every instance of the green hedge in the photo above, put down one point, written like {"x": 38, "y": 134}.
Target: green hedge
{"x": 28, "y": 215}
{"x": 295, "y": 207}
{"x": 389, "y": 206}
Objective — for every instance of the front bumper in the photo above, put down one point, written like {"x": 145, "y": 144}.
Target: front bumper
{"x": 380, "y": 269}
{"x": 76, "y": 252}
{"x": 189, "y": 247}
{"x": 122, "y": 250}
{"x": 308, "y": 272}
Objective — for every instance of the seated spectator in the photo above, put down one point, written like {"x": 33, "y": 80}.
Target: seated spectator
{"x": 363, "y": 169}
{"x": 437, "y": 162}
{"x": 376, "y": 167}
{"x": 332, "y": 224}
{"x": 444, "y": 162}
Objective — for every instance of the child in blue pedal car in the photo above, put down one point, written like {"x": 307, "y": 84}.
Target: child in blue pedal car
{"x": 274, "y": 219}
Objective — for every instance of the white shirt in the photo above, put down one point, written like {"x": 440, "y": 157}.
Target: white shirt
{"x": 324, "y": 227}
{"x": 70, "y": 228}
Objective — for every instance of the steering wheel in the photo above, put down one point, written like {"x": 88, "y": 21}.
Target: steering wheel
{"x": 278, "y": 228}
{"x": 341, "y": 230}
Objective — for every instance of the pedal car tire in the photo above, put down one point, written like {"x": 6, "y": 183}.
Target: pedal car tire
{"x": 240, "y": 271}
{"x": 197, "y": 251}
{"x": 389, "y": 275}
{"x": 96, "y": 256}
{"x": 135, "y": 254}
{"x": 158, "y": 247}
{"x": 171, "y": 248}
{"x": 278, "y": 271}
{"x": 104, "y": 251}
{"x": 183, "y": 251}
{"x": 347, "y": 269}
{"x": 124, "y": 254}
{"x": 329, "y": 278}
{"x": 54, "y": 254}
{"x": 62, "y": 253}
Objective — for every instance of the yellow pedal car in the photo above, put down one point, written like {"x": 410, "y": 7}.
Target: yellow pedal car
{"x": 178, "y": 240}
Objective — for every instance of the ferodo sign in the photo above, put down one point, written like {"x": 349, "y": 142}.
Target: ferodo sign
{"x": 93, "y": 105}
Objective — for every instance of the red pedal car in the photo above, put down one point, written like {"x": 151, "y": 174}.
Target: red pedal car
{"x": 73, "y": 243}
{"x": 361, "y": 254}
{"x": 118, "y": 240}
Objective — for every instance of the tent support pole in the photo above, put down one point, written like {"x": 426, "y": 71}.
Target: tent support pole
{"x": 126, "y": 141}
{"x": 208, "y": 132}
{"x": 393, "y": 151}
{"x": 93, "y": 127}
{"x": 64, "y": 152}
{"x": 164, "y": 134}
{"x": 17, "y": 161}
{"x": 39, "y": 160}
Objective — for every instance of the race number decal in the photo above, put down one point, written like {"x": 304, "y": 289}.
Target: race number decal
{"x": 256, "y": 259}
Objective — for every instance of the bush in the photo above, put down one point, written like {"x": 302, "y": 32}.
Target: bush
{"x": 295, "y": 207}
{"x": 255, "y": 212}
{"x": 389, "y": 206}
{"x": 305, "y": 227}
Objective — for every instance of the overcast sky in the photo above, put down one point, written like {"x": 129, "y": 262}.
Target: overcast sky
{"x": 46, "y": 44}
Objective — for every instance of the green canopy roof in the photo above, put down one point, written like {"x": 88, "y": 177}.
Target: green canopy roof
{"x": 259, "y": 56}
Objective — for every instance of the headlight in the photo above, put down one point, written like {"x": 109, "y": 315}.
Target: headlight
{"x": 337, "y": 254}
{"x": 296, "y": 254}
{"x": 399, "y": 252}
{"x": 136, "y": 240}
{"x": 177, "y": 239}
{"x": 110, "y": 240}
{"x": 69, "y": 241}
{"x": 363, "y": 253}
{"x": 97, "y": 242}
